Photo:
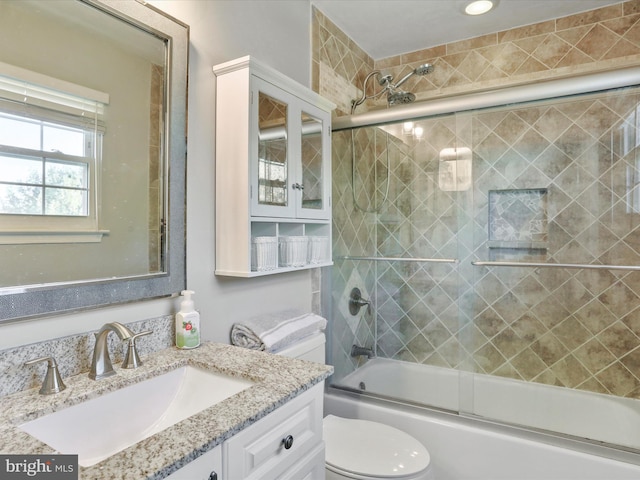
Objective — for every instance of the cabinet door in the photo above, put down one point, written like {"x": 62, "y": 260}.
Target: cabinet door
{"x": 315, "y": 163}
{"x": 270, "y": 153}
{"x": 274, "y": 444}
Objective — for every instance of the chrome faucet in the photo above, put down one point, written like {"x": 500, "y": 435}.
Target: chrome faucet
{"x": 357, "y": 351}
{"x": 101, "y": 364}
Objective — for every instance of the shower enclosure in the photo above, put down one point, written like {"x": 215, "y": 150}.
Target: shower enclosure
{"x": 497, "y": 237}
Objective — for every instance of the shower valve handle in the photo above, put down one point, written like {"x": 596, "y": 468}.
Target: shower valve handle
{"x": 356, "y": 302}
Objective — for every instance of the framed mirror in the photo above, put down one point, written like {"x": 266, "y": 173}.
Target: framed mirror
{"x": 92, "y": 155}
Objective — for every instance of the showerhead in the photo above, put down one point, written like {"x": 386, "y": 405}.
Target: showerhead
{"x": 424, "y": 69}
{"x": 394, "y": 96}
{"x": 400, "y": 97}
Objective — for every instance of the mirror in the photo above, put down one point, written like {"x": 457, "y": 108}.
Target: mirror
{"x": 272, "y": 151}
{"x": 92, "y": 155}
{"x": 312, "y": 161}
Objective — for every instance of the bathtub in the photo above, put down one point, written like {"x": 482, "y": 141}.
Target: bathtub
{"x": 471, "y": 448}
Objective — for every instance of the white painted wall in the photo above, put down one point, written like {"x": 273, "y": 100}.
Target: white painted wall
{"x": 277, "y": 32}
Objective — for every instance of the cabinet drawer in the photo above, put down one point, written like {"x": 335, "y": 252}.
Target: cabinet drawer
{"x": 259, "y": 452}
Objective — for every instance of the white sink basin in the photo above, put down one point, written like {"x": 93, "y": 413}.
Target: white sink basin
{"x": 98, "y": 428}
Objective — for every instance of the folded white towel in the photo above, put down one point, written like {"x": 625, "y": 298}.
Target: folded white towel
{"x": 276, "y": 331}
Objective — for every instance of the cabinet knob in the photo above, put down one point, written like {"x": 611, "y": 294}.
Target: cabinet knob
{"x": 213, "y": 476}
{"x": 287, "y": 442}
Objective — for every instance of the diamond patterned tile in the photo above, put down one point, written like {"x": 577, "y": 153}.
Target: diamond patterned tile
{"x": 557, "y": 326}
{"x": 597, "y": 42}
{"x": 549, "y": 349}
{"x": 571, "y": 333}
{"x": 570, "y": 372}
{"x": 618, "y": 339}
{"x": 594, "y": 356}
{"x": 618, "y": 380}
{"x": 489, "y": 358}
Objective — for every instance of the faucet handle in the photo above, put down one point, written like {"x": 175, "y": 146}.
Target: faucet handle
{"x": 131, "y": 358}
{"x": 52, "y": 381}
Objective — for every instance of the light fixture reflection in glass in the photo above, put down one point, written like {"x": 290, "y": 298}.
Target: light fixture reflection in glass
{"x": 410, "y": 129}
{"x": 454, "y": 174}
{"x": 478, "y": 7}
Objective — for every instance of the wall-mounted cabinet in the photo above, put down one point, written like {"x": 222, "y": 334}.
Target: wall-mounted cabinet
{"x": 273, "y": 172}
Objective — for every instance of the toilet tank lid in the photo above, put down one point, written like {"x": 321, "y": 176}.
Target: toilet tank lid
{"x": 302, "y": 346}
{"x": 372, "y": 449}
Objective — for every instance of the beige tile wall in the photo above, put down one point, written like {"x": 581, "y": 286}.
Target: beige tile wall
{"x": 155, "y": 171}
{"x": 571, "y": 328}
{"x": 593, "y": 41}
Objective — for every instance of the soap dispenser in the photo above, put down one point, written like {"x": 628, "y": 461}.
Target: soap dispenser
{"x": 187, "y": 323}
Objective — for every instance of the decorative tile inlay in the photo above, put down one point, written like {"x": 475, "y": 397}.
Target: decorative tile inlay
{"x": 518, "y": 218}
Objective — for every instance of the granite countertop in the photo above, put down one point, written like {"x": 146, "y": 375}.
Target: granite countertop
{"x": 277, "y": 380}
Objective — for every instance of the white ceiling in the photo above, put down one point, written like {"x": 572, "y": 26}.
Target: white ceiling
{"x": 385, "y": 28}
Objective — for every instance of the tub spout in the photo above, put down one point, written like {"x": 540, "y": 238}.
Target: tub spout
{"x": 357, "y": 351}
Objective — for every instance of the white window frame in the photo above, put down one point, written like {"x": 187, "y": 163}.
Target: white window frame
{"x": 32, "y": 95}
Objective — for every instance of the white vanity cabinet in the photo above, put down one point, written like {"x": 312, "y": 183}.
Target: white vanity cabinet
{"x": 287, "y": 444}
{"x": 273, "y": 172}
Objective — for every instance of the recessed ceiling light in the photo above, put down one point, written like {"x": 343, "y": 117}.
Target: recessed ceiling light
{"x": 478, "y": 7}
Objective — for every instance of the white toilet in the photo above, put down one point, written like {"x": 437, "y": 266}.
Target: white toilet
{"x": 361, "y": 449}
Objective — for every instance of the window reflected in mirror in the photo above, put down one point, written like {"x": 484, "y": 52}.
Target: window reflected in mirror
{"x": 82, "y": 152}
{"x": 272, "y": 151}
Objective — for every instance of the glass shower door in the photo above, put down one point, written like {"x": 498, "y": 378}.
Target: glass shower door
{"x": 395, "y": 238}
{"x": 501, "y": 258}
{"x": 556, "y": 290}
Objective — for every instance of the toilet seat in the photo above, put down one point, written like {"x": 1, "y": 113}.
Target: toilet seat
{"x": 361, "y": 449}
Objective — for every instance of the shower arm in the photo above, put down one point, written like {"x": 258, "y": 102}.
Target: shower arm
{"x": 404, "y": 79}
{"x": 361, "y": 100}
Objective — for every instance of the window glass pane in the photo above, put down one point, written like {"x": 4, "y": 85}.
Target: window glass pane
{"x": 65, "y": 174}
{"x": 61, "y": 139}
{"x": 20, "y": 199}
{"x": 62, "y": 201}
{"x": 20, "y": 170}
{"x": 16, "y": 132}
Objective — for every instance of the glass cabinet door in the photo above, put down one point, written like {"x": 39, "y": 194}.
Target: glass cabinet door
{"x": 291, "y": 174}
{"x": 311, "y": 160}
{"x": 314, "y": 165}
{"x": 273, "y": 152}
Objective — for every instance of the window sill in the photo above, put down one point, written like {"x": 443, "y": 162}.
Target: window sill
{"x": 48, "y": 236}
